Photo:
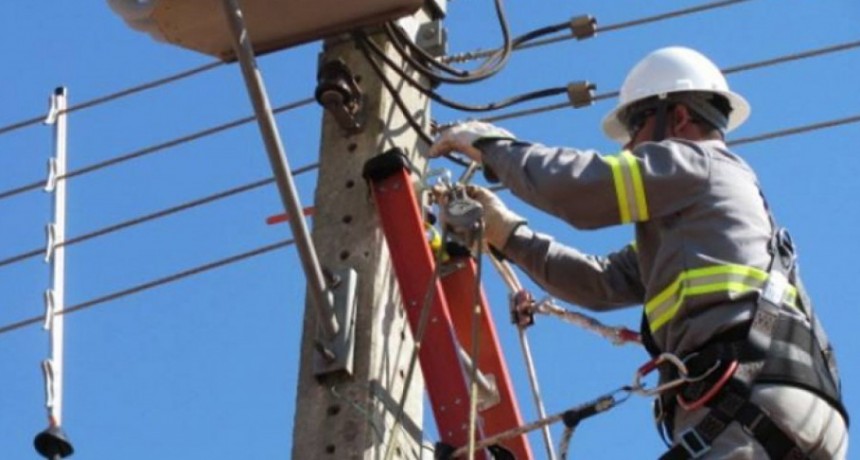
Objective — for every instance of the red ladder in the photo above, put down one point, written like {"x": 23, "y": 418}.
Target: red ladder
{"x": 449, "y": 323}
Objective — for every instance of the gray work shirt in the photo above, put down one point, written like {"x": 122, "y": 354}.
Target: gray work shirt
{"x": 702, "y": 231}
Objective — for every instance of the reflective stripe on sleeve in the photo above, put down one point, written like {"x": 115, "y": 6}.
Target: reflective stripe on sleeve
{"x": 629, "y": 190}
{"x": 733, "y": 280}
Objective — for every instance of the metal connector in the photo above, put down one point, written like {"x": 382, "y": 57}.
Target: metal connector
{"x": 583, "y": 27}
{"x": 580, "y": 93}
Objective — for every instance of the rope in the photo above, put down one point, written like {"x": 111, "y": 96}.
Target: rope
{"x": 151, "y": 149}
{"x": 156, "y": 215}
{"x": 476, "y": 343}
{"x": 110, "y": 97}
{"x": 150, "y": 285}
{"x": 616, "y": 335}
{"x": 514, "y": 286}
{"x": 578, "y": 413}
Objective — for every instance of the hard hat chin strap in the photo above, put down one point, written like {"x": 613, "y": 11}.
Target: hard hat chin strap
{"x": 660, "y": 121}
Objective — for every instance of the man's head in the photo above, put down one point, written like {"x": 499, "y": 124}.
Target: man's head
{"x": 674, "y": 92}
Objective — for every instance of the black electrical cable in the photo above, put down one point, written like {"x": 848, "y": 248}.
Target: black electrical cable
{"x": 472, "y": 55}
{"x": 151, "y": 284}
{"x": 362, "y": 41}
{"x": 488, "y": 68}
{"x": 799, "y": 56}
{"x": 110, "y": 97}
{"x": 453, "y": 104}
{"x": 34, "y": 185}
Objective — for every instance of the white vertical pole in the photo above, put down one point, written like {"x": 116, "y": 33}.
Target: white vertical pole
{"x": 56, "y": 256}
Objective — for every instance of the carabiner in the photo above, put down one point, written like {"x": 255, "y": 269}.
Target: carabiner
{"x": 715, "y": 388}
{"x": 653, "y": 364}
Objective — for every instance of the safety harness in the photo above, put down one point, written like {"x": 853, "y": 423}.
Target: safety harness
{"x": 779, "y": 345}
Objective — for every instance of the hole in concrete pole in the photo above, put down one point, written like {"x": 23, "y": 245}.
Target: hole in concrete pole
{"x": 347, "y": 219}
{"x": 350, "y": 183}
{"x": 351, "y": 147}
{"x": 333, "y": 410}
{"x": 344, "y": 255}
{"x": 329, "y": 449}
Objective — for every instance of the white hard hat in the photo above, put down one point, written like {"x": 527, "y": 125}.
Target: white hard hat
{"x": 671, "y": 70}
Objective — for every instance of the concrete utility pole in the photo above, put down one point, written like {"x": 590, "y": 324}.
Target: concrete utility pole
{"x": 350, "y": 417}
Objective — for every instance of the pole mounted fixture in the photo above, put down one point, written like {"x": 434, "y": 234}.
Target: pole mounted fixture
{"x": 52, "y": 443}
{"x": 338, "y": 92}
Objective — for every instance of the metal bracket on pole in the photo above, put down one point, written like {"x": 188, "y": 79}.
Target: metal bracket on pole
{"x": 320, "y": 294}
{"x": 337, "y": 353}
{"x": 338, "y": 92}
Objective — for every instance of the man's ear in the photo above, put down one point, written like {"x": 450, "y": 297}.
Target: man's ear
{"x": 681, "y": 119}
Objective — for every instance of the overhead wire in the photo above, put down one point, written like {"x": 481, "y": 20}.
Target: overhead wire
{"x": 435, "y": 96}
{"x": 798, "y": 56}
{"x": 491, "y": 66}
{"x": 151, "y": 284}
{"x": 36, "y": 184}
{"x": 113, "y": 96}
{"x": 480, "y": 54}
{"x": 747, "y": 140}
{"x": 795, "y": 131}
{"x": 155, "y": 215}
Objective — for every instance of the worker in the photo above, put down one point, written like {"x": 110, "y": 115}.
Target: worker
{"x": 711, "y": 267}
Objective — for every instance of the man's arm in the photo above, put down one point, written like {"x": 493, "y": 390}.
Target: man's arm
{"x": 590, "y": 190}
{"x": 592, "y": 282}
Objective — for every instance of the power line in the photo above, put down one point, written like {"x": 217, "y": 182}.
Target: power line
{"x": 151, "y": 284}
{"x": 110, "y": 97}
{"x": 793, "y": 57}
{"x": 473, "y": 55}
{"x": 796, "y": 130}
{"x": 264, "y": 249}
{"x": 156, "y": 215}
{"x": 728, "y": 70}
{"x": 152, "y": 149}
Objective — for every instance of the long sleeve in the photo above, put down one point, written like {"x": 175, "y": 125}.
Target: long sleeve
{"x": 595, "y": 283}
{"x": 590, "y": 190}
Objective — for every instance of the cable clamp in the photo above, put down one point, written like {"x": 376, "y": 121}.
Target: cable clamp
{"x": 51, "y": 241}
{"x": 53, "y": 110}
{"x": 583, "y": 27}
{"x": 580, "y": 93}
{"x": 51, "y": 182}
{"x": 50, "y": 307}
{"x": 522, "y": 308}
{"x": 48, "y": 374}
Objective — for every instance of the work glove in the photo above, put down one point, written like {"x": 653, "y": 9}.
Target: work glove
{"x": 463, "y": 136}
{"x": 499, "y": 221}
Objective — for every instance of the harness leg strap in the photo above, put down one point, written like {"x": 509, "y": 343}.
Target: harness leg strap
{"x": 729, "y": 406}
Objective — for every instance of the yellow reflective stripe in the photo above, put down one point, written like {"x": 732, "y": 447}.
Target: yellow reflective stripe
{"x": 620, "y": 192}
{"x": 638, "y": 188}
{"x": 732, "y": 279}
{"x": 629, "y": 189}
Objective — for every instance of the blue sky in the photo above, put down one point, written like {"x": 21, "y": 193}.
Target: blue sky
{"x": 206, "y": 367}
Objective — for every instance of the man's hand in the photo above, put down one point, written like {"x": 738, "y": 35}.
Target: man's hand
{"x": 499, "y": 221}
{"x": 462, "y": 137}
